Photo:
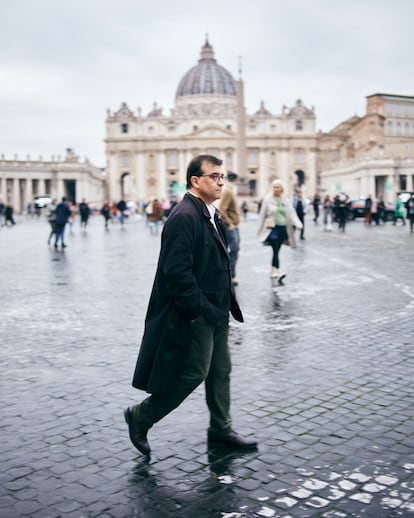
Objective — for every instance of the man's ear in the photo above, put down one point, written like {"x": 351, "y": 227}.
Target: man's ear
{"x": 194, "y": 182}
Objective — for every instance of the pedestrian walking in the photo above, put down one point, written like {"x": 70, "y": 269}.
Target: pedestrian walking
{"x": 230, "y": 216}
{"x": 185, "y": 339}
{"x": 381, "y": 210}
{"x": 51, "y": 218}
{"x": 315, "y": 203}
{"x": 84, "y": 213}
{"x": 300, "y": 206}
{"x": 336, "y": 203}
{"x": 342, "y": 212}
{"x": 2, "y": 209}
{"x": 327, "y": 213}
{"x": 106, "y": 213}
{"x": 8, "y": 215}
{"x": 63, "y": 212}
{"x": 122, "y": 207}
{"x": 155, "y": 216}
{"x": 374, "y": 211}
{"x": 245, "y": 209}
{"x": 367, "y": 210}
{"x": 277, "y": 218}
{"x": 398, "y": 213}
{"x": 114, "y": 211}
{"x": 409, "y": 206}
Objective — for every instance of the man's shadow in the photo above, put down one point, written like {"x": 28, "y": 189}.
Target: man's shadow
{"x": 205, "y": 496}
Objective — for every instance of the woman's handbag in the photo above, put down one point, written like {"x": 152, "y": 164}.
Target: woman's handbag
{"x": 273, "y": 235}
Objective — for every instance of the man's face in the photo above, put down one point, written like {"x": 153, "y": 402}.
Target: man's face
{"x": 208, "y": 187}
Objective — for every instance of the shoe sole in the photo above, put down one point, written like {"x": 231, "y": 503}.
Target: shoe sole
{"x": 144, "y": 451}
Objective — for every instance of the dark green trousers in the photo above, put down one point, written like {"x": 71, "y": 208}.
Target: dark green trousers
{"x": 208, "y": 361}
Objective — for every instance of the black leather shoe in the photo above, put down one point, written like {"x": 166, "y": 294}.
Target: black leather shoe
{"x": 138, "y": 438}
{"x": 233, "y": 441}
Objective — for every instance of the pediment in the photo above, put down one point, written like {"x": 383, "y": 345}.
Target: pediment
{"x": 124, "y": 113}
{"x": 212, "y": 131}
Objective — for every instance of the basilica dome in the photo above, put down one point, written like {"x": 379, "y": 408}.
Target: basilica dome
{"x": 206, "y": 78}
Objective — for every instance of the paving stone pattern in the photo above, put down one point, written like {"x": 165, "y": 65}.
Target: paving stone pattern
{"x": 323, "y": 371}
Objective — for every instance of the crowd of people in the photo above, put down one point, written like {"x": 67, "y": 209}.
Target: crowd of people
{"x": 375, "y": 211}
{"x": 64, "y": 213}
{"x": 331, "y": 210}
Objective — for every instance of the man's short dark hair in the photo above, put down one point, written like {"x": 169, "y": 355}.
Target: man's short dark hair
{"x": 194, "y": 167}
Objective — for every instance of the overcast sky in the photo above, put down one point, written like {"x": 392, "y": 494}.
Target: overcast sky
{"x": 64, "y": 62}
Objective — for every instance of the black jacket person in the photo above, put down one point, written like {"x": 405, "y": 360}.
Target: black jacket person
{"x": 186, "y": 326}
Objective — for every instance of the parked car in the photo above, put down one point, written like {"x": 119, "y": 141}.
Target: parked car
{"x": 42, "y": 201}
{"x": 357, "y": 209}
{"x": 404, "y": 195}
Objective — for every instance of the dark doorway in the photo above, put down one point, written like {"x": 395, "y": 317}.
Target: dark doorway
{"x": 252, "y": 187}
{"x": 70, "y": 190}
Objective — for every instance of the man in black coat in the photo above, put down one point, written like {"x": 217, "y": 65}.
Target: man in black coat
{"x": 185, "y": 339}
{"x": 62, "y": 213}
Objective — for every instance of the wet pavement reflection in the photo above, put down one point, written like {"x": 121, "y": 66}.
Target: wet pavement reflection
{"x": 322, "y": 377}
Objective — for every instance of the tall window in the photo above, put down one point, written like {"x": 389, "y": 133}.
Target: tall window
{"x": 252, "y": 157}
{"x": 299, "y": 125}
{"x": 299, "y": 156}
{"x": 229, "y": 160}
{"x": 172, "y": 159}
{"x": 124, "y": 127}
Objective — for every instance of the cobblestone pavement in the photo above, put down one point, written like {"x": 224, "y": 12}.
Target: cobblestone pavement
{"x": 323, "y": 371}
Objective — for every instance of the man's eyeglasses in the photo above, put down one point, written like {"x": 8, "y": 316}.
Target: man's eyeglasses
{"x": 215, "y": 177}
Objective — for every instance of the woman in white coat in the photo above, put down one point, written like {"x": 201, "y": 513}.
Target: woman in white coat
{"x": 278, "y": 218}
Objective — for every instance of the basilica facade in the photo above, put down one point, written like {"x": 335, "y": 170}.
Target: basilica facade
{"x": 147, "y": 154}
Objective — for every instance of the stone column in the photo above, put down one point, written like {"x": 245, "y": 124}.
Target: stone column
{"x": 410, "y": 182}
{"x": 241, "y": 131}
{"x": 310, "y": 180}
{"x": 283, "y": 167}
{"x": 60, "y": 189}
{"x": 114, "y": 181}
{"x": 262, "y": 174}
{"x": 162, "y": 184}
{"x": 29, "y": 190}
{"x": 182, "y": 167}
{"x": 140, "y": 176}
{"x": 15, "y": 195}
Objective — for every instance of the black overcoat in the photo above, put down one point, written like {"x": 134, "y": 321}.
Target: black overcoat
{"x": 192, "y": 279}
